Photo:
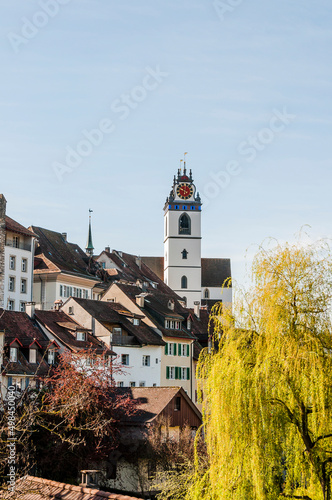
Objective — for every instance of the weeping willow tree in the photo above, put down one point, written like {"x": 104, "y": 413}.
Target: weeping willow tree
{"x": 267, "y": 384}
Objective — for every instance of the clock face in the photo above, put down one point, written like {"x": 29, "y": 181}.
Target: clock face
{"x": 184, "y": 191}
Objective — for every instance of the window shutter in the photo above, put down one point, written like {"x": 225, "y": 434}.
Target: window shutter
{"x": 26, "y": 382}
{"x": 188, "y": 373}
{"x": 167, "y": 372}
{"x": 176, "y": 372}
{"x": 188, "y": 350}
{"x": 174, "y": 349}
{"x": 10, "y": 381}
{"x": 179, "y": 349}
{"x": 166, "y": 349}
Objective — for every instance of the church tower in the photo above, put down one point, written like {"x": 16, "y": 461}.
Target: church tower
{"x": 182, "y": 238}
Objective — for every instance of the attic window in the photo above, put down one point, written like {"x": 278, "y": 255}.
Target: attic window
{"x": 51, "y": 357}
{"x": 136, "y": 321}
{"x": 13, "y": 354}
{"x": 80, "y": 336}
{"x": 32, "y": 355}
{"x": 172, "y": 325}
{"x": 188, "y": 324}
{"x": 70, "y": 310}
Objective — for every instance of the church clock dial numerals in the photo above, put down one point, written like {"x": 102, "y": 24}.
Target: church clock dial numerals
{"x": 184, "y": 191}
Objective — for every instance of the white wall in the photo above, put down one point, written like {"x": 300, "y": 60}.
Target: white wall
{"x": 17, "y": 273}
{"x": 219, "y": 293}
{"x": 136, "y": 372}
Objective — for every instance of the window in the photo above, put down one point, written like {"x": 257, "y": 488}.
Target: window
{"x": 11, "y": 284}
{"x": 24, "y": 265}
{"x": 170, "y": 349}
{"x": 184, "y": 254}
{"x": 172, "y": 325}
{"x": 184, "y": 375}
{"x": 206, "y": 293}
{"x": 184, "y": 224}
{"x": 51, "y": 357}
{"x": 11, "y": 305}
{"x": 13, "y": 354}
{"x": 177, "y": 404}
{"x": 188, "y": 324}
{"x": 184, "y": 282}
{"x": 70, "y": 310}
{"x": 146, "y": 360}
{"x": 142, "y": 384}
{"x": 120, "y": 384}
{"x": 32, "y": 355}
{"x": 23, "y": 286}
{"x": 183, "y": 350}
{"x": 135, "y": 321}
{"x": 132, "y": 384}
{"x": 117, "y": 331}
{"x": 103, "y": 265}
{"x": 157, "y": 361}
{"x": 12, "y": 262}
{"x": 61, "y": 291}
{"x": 125, "y": 359}
{"x": 80, "y": 336}
{"x": 22, "y": 307}
{"x": 16, "y": 241}
{"x": 172, "y": 372}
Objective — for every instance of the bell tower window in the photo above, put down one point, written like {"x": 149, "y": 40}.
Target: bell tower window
{"x": 184, "y": 254}
{"x": 206, "y": 293}
{"x": 184, "y": 224}
{"x": 184, "y": 282}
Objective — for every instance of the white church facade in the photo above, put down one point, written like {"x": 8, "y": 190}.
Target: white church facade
{"x": 197, "y": 280}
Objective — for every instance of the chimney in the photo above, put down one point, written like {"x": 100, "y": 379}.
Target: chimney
{"x": 64, "y": 236}
{"x": 3, "y": 204}
{"x": 108, "y": 249}
{"x": 171, "y": 304}
{"x": 140, "y": 300}
{"x": 138, "y": 261}
{"x": 30, "y": 308}
{"x": 196, "y": 308}
{"x": 57, "y": 304}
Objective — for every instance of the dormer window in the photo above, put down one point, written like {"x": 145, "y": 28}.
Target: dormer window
{"x": 13, "y": 354}
{"x": 32, "y": 355}
{"x": 136, "y": 321}
{"x": 80, "y": 336}
{"x": 172, "y": 325}
{"x": 70, "y": 310}
{"x": 117, "y": 331}
{"x": 51, "y": 357}
{"x": 188, "y": 324}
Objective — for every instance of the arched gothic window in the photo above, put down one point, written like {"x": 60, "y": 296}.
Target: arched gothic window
{"x": 184, "y": 254}
{"x": 184, "y": 282}
{"x": 184, "y": 224}
{"x": 206, "y": 293}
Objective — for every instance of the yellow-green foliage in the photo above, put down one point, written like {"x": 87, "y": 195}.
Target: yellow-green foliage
{"x": 267, "y": 384}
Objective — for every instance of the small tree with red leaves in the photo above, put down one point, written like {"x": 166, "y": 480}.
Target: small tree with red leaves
{"x": 73, "y": 420}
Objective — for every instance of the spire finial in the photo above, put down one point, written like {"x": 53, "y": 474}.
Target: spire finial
{"x": 184, "y": 163}
{"x": 89, "y": 246}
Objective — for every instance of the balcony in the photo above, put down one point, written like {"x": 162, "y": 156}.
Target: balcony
{"x": 122, "y": 339}
{"x": 21, "y": 246}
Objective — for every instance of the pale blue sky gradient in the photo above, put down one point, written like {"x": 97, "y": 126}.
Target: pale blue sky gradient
{"x": 225, "y": 79}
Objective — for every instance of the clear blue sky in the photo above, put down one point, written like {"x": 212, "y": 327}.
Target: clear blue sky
{"x": 243, "y": 86}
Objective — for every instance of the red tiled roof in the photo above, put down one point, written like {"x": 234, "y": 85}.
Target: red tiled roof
{"x": 113, "y": 312}
{"x": 54, "y": 253}
{"x": 36, "y": 488}
{"x": 57, "y": 323}
{"x": 15, "y": 227}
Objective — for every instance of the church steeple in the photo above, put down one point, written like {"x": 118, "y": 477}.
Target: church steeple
{"x": 182, "y": 237}
{"x": 89, "y": 246}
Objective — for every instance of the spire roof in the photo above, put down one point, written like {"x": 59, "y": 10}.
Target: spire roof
{"x": 89, "y": 246}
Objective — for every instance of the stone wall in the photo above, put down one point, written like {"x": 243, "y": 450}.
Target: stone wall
{"x": 3, "y": 203}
